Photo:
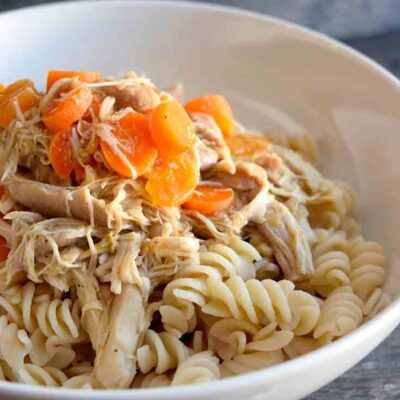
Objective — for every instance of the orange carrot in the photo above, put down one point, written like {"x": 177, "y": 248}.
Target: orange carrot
{"x": 134, "y": 141}
{"x": 2, "y": 88}
{"x": 79, "y": 172}
{"x": 22, "y": 92}
{"x": 246, "y": 145}
{"x": 67, "y": 109}
{"x": 217, "y": 107}
{"x": 4, "y": 250}
{"x": 171, "y": 129}
{"x": 60, "y": 154}
{"x": 83, "y": 76}
{"x": 210, "y": 198}
{"x": 173, "y": 179}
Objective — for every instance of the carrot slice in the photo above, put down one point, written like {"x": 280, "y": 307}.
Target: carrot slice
{"x": 246, "y": 145}
{"x": 4, "y": 250}
{"x": 67, "y": 109}
{"x": 79, "y": 172}
{"x": 173, "y": 179}
{"x": 209, "y": 199}
{"x": 134, "y": 141}
{"x": 217, "y": 107}
{"x": 22, "y": 92}
{"x": 60, "y": 154}
{"x": 171, "y": 129}
{"x": 83, "y": 76}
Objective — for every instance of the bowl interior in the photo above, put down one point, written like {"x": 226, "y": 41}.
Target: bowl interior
{"x": 276, "y": 76}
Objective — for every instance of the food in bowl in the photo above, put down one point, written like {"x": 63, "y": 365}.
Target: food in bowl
{"x": 148, "y": 242}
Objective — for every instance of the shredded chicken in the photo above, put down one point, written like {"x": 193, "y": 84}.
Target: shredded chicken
{"x": 176, "y": 91}
{"x": 307, "y": 174}
{"x": 208, "y": 132}
{"x": 251, "y": 180}
{"x": 115, "y": 363}
{"x": 56, "y": 201}
{"x": 288, "y": 241}
{"x": 138, "y": 95}
{"x": 207, "y": 156}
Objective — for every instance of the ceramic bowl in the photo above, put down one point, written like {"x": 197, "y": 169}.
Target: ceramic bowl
{"x": 277, "y": 76}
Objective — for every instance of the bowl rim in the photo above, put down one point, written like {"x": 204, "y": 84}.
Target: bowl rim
{"x": 390, "y": 316}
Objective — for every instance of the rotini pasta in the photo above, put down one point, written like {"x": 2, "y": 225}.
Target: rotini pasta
{"x": 41, "y": 376}
{"x": 250, "y": 362}
{"x": 300, "y": 346}
{"x": 341, "y": 313}
{"x": 151, "y": 380}
{"x": 15, "y": 344}
{"x": 218, "y": 260}
{"x": 161, "y": 352}
{"x": 367, "y": 262}
{"x": 198, "y": 368}
{"x": 262, "y": 302}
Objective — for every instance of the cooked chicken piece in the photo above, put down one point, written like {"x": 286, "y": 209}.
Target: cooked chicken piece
{"x": 56, "y": 201}
{"x": 37, "y": 248}
{"x": 122, "y": 266}
{"x": 115, "y": 324}
{"x": 5, "y": 231}
{"x": 284, "y": 182}
{"x": 174, "y": 246}
{"x": 210, "y": 135}
{"x": 115, "y": 363}
{"x": 95, "y": 303}
{"x": 288, "y": 241}
{"x": 207, "y": 156}
{"x": 176, "y": 91}
{"x": 308, "y": 175}
{"x": 252, "y": 181}
{"x": 138, "y": 95}
{"x": 301, "y": 214}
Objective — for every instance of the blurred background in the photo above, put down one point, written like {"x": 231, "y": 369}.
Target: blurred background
{"x": 371, "y": 26}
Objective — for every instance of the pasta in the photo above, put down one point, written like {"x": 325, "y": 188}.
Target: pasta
{"x": 42, "y": 376}
{"x": 146, "y": 243}
{"x": 342, "y": 312}
{"x": 161, "y": 352}
{"x": 367, "y": 262}
{"x": 218, "y": 260}
{"x": 201, "y": 367}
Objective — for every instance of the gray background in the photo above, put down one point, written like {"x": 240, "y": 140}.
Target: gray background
{"x": 373, "y": 27}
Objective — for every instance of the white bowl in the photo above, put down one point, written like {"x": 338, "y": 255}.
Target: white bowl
{"x": 277, "y": 76}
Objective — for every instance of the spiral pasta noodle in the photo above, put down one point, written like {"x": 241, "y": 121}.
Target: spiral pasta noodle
{"x": 300, "y": 346}
{"x": 376, "y": 302}
{"x": 161, "y": 352}
{"x": 261, "y": 302}
{"x": 60, "y": 318}
{"x": 235, "y": 337}
{"x": 244, "y": 363}
{"x": 341, "y": 313}
{"x": 41, "y": 376}
{"x": 198, "y": 368}
{"x": 15, "y": 344}
{"x": 218, "y": 260}
{"x": 367, "y": 261}
{"x": 151, "y": 380}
